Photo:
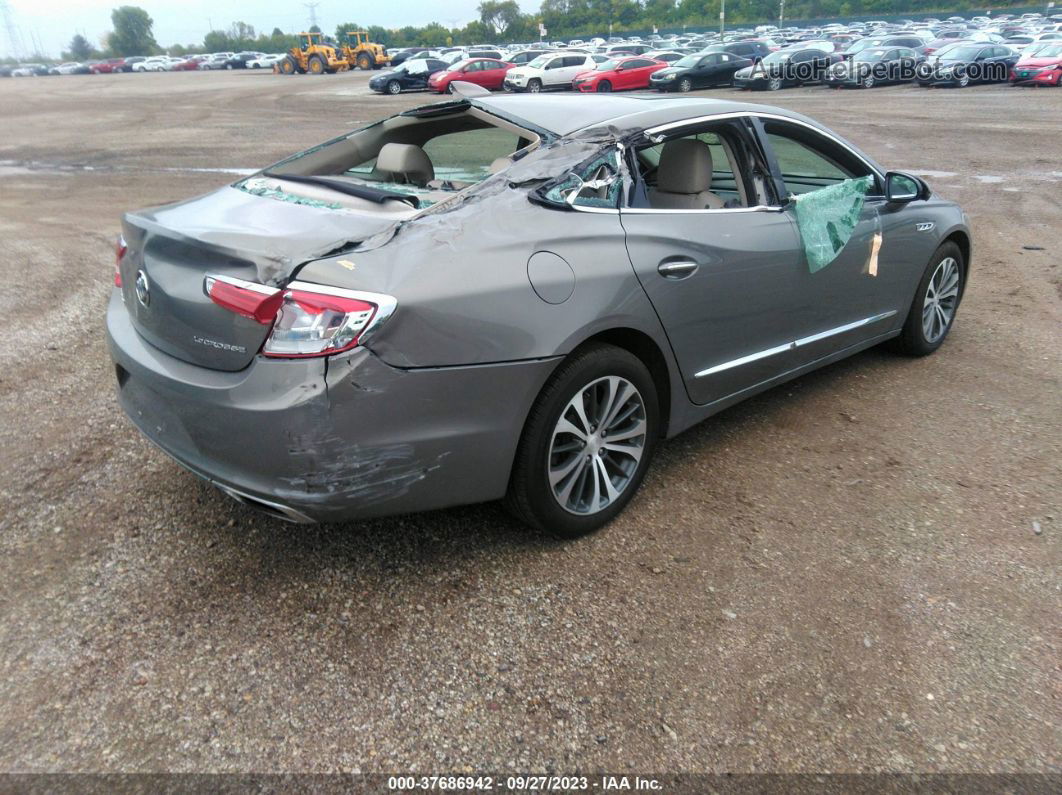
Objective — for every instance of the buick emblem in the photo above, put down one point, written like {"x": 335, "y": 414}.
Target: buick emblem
{"x": 143, "y": 294}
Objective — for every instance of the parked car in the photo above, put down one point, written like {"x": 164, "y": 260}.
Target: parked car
{"x": 620, "y": 74}
{"x": 215, "y": 60}
{"x": 966, "y": 63}
{"x": 699, "y": 71}
{"x": 29, "y": 70}
{"x": 109, "y": 66}
{"x": 265, "y": 61}
{"x": 486, "y": 72}
{"x": 874, "y": 67}
{"x": 521, "y": 57}
{"x": 549, "y": 72}
{"x": 1041, "y": 67}
{"x": 753, "y": 49}
{"x": 318, "y": 378}
{"x": 410, "y": 75}
{"x": 784, "y": 68}
{"x": 240, "y": 59}
{"x": 188, "y": 64}
{"x": 156, "y": 63}
{"x": 69, "y": 68}
{"x": 667, "y": 56}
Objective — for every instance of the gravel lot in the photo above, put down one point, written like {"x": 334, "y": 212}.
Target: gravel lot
{"x": 858, "y": 571}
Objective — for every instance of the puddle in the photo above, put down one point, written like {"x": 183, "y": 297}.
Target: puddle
{"x": 923, "y": 172}
{"x": 13, "y": 168}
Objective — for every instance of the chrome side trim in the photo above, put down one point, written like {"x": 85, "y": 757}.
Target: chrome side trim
{"x": 385, "y": 304}
{"x": 789, "y": 346}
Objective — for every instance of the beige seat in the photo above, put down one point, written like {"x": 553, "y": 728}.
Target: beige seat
{"x": 684, "y": 177}
{"x": 403, "y": 163}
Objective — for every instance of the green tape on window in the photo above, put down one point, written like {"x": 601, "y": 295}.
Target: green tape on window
{"x": 827, "y": 217}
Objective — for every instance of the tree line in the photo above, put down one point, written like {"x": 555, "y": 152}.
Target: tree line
{"x": 501, "y": 21}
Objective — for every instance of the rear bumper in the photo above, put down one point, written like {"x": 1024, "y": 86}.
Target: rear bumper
{"x": 332, "y": 439}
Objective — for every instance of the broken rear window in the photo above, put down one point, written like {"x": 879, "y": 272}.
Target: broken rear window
{"x": 426, "y": 158}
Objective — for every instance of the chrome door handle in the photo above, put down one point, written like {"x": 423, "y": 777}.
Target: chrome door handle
{"x": 676, "y": 269}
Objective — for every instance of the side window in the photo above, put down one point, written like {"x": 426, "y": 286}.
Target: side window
{"x": 809, "y": 161}
{"x": 638, "y": 63}
{"x": 467, "y": 156}
{"x": 556, "y": 63}
{"x": 711, "y": 60}
{"x": 575, "y": 60}
{"x": 729, "y": 187}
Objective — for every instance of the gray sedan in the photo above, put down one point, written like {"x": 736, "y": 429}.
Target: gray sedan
{"x": 513, "y": 297}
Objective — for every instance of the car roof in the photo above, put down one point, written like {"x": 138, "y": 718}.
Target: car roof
{"x": 564, "y": 114}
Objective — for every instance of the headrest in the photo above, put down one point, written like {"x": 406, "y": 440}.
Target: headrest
{"x": 404, "y": 163}
{"x": 685, "y": 167}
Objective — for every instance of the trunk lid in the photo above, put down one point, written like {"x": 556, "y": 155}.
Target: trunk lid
{"x": 228, "y": 232}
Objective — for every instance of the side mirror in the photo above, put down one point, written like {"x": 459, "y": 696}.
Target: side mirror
{"x": 902, "y": 188}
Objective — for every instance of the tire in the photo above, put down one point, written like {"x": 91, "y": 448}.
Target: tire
{"x": 287, "y": 66}
{"x": 604, "y": 86}
{"x": 534, "y": 86}
{"x": 364, "y": 61}
{"x": 394, "y": 87}
{"x": 685, "y": 85}
{"x": 964, "y": 80}
{"x": 449, "y": 88}
{"x": 926, "y": 328}
{"x": 317, "y": 65}
{"x": 774, "y": 84}
{"x": 868, "y": 81}
{"x": 603, "y": 372}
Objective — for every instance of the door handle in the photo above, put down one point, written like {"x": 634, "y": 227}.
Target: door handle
{"x": 676, "y": 269}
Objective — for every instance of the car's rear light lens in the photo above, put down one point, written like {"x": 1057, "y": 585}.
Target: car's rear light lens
{"x": 315, "y": 322}
{"x": 254, "y": 301}
{"x": 119, "y": 251}
{"x": 308, "y": 319}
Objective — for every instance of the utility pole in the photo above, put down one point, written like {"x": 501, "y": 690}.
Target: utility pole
{"x": 722, "y": 21}
{"x": 14, "y": 40}
{"x": 781, "y": 14}
{"x": 313, "y": 13}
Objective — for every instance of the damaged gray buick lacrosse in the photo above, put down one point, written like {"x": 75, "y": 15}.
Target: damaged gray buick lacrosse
{"x": 515, "y": 297}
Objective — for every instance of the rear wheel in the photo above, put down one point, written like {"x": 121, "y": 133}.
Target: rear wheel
{"x": 394, "y": 87}
{"x": 587, "y": 443}
{"x": 604, "y": 86}
{"x": 936, "y": 301}
{"x": 534, "y": 85}
{"x": 317, "y": 65}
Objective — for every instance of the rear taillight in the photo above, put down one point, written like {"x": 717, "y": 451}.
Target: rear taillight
{"x": 318, "y": 321}
{"x": 307, "y": 319}
{"x": 254, "y": 301}
{"x": 119, "y": 251}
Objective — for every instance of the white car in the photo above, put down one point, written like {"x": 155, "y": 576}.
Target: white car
{"x": 68, "y": 68}
{"x": 265, "y": 61}
{"x": 552, "y": 71}
{"x": 156, "y": 63}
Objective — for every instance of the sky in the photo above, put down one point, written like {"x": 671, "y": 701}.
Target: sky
{"x": 52, "y": 23}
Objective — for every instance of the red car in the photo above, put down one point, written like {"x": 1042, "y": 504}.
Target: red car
{"x": 486, "y": 72}
{"x": 1042, "y": 67}
{"x": 618, "y": 74}
{"x": 189, "y": 65}
{"x": 108, "y": 66}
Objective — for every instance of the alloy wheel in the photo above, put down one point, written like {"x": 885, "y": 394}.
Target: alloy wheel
{"x": 685, "y": 85}
{"x": 941, "y": 299}
{"x": 597, "y": 445}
